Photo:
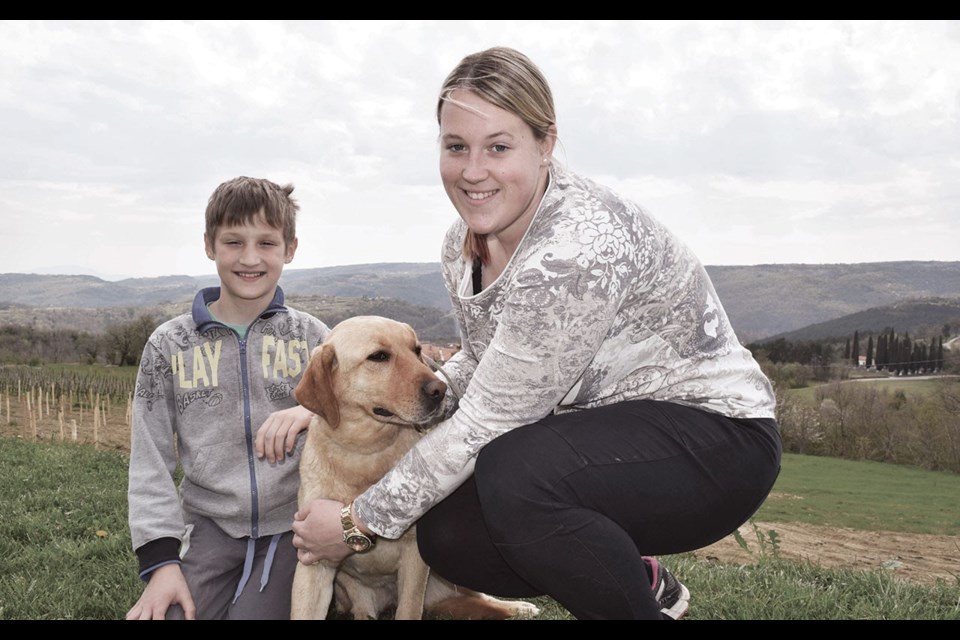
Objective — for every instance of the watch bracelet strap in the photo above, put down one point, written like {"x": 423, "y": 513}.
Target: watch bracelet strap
{"x": 346, "y": 521}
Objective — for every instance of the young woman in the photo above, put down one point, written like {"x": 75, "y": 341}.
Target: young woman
{"x": 609, "y": 412}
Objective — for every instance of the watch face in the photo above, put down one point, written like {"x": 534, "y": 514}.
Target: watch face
{"x": 359, "y": 543}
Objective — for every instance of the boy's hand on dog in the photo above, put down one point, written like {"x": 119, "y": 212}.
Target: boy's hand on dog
{"x": 277, "y": 436}
{"x": 167, "y": 586}
{"x": 318, "y": 533}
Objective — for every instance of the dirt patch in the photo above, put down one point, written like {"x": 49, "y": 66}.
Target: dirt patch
{"x": 920, "y": 558}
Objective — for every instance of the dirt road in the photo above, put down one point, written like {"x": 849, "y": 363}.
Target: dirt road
{"x": 918, "y": 558}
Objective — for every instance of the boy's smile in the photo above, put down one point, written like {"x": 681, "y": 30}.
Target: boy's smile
{"x": 250, "y": 259}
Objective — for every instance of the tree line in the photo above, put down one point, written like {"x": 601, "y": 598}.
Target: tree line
{"x": 845, "y": 420}
{"x": 120, "y": 344}
{"x": 897, "y": 354}
{"x": 863, "y": 421}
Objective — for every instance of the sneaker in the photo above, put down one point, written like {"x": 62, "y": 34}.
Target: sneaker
{"x": 674, "y": 598}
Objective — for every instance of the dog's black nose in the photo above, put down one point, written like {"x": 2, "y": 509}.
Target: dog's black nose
{"x": 434, "y": 390}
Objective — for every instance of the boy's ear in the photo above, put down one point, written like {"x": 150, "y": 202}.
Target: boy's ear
{"x": 291, "y": 249}
{"x": 208, "y": 247}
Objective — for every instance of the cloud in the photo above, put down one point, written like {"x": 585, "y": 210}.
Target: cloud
{"x": 756, "y": 141}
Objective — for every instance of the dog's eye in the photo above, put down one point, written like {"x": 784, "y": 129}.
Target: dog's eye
{"x": 379, "y": 356}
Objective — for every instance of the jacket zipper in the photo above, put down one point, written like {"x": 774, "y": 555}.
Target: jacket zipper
{"x": 248, "y": 434}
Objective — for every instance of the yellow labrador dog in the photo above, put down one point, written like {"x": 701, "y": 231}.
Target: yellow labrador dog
{"x": 373, "y": 395}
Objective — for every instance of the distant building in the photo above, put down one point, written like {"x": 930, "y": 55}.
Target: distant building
{"x": 439, "y": 353}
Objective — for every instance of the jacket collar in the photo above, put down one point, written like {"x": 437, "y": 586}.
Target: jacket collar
{"x": 201, "y": 314}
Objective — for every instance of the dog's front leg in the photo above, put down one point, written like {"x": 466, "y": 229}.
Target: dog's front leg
{"x": 412, "y": 577}
{"x": 312, "y": 592}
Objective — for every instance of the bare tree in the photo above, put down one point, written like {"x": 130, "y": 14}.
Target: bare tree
{"x": 126, "y": 340}
{"x": 836, "y": 401}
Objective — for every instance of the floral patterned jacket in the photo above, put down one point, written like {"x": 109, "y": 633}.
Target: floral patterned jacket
{"x": 600, "y": 303}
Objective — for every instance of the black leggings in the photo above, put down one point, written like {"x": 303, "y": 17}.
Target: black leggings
{"x": 566, "y": 507}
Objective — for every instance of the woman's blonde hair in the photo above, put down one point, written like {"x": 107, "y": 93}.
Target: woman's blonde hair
{"x": 505, "y": 78}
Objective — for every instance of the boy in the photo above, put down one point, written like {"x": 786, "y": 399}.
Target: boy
{"x": 207, "y": 380}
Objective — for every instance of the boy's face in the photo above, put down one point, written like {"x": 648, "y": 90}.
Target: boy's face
{"x": 250, "y": 259}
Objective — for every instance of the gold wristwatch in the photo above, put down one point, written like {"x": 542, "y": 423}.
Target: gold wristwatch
{"x": 355, "y": 539}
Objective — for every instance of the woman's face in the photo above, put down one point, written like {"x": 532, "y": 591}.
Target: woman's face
{"x": 493, "y": 168}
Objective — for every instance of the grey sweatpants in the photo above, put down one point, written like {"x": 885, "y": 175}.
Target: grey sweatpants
{"x": 214, "y": 564}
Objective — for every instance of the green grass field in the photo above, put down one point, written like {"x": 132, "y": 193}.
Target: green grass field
{"x": 907, "y": 385}
{"x": 864, "y": 495}
{"x": 65, "y": 548}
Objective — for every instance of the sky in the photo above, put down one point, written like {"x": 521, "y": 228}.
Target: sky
{"x": 756, "y": 142}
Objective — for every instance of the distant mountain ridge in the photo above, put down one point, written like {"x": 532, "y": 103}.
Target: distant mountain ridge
{"x": 766, "y": 300}
{"x": 761, "y": 300}
{"x": 904, "y": 316}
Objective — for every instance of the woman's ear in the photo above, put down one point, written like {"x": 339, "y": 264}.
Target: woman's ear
{"x": 549, "y": 142}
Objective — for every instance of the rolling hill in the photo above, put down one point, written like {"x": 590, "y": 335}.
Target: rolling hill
{"x": 761, "y": 300}
{"x": 927, "y": 315}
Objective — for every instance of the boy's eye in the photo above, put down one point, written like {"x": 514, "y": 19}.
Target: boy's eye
{"x": 500, "y": 148}
{"x": 455, "y": 147}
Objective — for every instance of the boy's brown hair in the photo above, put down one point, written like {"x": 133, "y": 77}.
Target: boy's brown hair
{"x": 240, "y": 200}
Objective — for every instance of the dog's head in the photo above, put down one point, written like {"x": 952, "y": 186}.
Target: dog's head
{"x": 371, "y": 367}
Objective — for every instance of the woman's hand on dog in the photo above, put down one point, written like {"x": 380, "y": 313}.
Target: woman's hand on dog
{"x": 318, "y": 533}
{"x": 277, "y": 436}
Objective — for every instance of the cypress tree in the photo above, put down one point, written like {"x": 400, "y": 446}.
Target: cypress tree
{"x": 906, "y": 350}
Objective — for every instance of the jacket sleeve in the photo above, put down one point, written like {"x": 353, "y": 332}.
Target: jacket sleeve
{"x": 550, "y": 328}
{"x": 153, "y": 500}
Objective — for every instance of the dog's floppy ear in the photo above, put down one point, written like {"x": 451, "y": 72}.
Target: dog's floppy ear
{"x": 315, "y": 389}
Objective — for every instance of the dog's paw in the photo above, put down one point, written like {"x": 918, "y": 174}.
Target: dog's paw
{"x": 523, "y": 609}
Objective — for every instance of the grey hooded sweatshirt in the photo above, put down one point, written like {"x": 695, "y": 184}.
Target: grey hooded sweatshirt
{"x": 202, "y": 392}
